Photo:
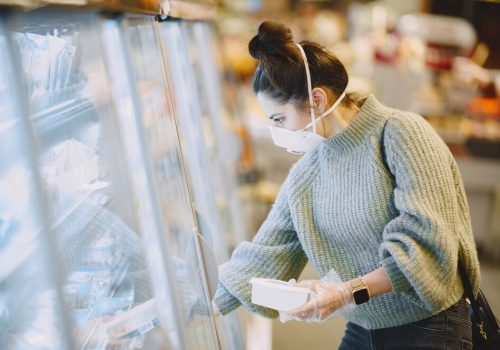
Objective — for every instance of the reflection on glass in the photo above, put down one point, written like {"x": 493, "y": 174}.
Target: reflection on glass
{"x": 188, "y": 111}
{"x": 199, "y": 45}
{"x": 29, "y": 316}
{"x": 106, "y": 281}
{"x": 193, "y": 107}
{"x": 210, "y": 73}
{"x": 124, "y": 94}
{"x": 167, "y": 167}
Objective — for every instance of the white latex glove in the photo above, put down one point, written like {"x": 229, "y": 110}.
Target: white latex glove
{"x": 328, "y": 296}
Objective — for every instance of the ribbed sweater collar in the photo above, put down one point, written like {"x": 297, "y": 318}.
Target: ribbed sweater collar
{"x": 371, "y": 114}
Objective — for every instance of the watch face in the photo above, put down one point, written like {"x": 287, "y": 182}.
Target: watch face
{"x": 361, "y": 296}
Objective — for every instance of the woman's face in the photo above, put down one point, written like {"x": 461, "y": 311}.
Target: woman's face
{"x": 286, "y": 115}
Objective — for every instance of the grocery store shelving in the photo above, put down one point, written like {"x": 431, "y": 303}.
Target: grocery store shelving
{"x": 105, "y": 223}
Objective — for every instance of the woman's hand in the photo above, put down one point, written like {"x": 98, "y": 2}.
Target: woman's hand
{"x": 326, "y": 298}
{"x": 330, "y": 294}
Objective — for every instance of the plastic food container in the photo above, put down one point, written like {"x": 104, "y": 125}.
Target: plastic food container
{"x": 278, "y": 295}
{"x": 135, "y": 322}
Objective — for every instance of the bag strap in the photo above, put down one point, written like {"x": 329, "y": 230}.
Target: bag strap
{"x": 468, "y": 292}
{"x": 384, "y": 160}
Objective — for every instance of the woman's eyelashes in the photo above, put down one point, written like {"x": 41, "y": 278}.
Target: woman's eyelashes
{"x": 278, "y": 120}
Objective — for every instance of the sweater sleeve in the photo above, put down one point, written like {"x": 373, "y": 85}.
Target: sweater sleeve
{"x": 419, "y": 250}
{"x": 275, "y": 252}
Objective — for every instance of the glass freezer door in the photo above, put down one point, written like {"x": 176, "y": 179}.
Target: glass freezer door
{"x": 201, "y": 44}
{"x": 99, "y": 246}
{"x": 31, "y": 312}
{"x": 169, "y": 181}
{"x": 188, "y": 110}
{"x": 145, "y": 202}
{"x": 195, "y": 126}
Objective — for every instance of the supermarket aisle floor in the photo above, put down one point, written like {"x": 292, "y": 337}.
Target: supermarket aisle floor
{"x": 327, "y": 336}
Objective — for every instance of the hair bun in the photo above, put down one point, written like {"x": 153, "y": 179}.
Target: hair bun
{"x": 272, "y": 39}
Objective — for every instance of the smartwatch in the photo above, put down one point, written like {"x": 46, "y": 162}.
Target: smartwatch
{"x": 360, "y": 292}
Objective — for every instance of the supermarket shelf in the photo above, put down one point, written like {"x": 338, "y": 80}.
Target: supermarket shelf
{"x": 55, "y": 117}
{"x": 151, "y": 7}
{"x": 190, "y": 10}
{"x": 20, "y": 3}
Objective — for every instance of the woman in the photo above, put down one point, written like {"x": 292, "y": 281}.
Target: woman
{"x": 377, "y": 199}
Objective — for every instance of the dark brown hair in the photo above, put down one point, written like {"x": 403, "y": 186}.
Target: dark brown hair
{"x": 281, "y": 73}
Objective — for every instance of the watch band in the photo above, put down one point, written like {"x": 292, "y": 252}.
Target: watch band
{"x": 357, "y": 283}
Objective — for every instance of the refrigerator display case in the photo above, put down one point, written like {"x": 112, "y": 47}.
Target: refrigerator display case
{"x": 131, "y": 134}
{"x": 31, "y": 310}
{"x": 188, "y": 111}
{"x": 106, "y": 282}
{"x": 109, "y": 213}
{"x": 202, "y": 46}
{"x": 168, "y": 178}
{"x": 200, "y": 145}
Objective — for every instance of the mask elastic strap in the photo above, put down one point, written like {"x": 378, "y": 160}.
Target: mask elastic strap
{"x": 326, "y": 113}
{"x": 309, "y": 86}
{"x": 309, "y": 92}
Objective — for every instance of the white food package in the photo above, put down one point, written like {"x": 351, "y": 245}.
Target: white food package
{"x": 134, "y": 322}
{"x": 278, "y": 295}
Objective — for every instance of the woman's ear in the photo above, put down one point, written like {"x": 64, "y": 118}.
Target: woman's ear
{"x": 319, "y": 98}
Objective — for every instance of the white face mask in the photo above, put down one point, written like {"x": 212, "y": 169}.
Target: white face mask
{"x": 301, "y": 141}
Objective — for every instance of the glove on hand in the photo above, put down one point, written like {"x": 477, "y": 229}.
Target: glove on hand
{"x": 327, "y": 297}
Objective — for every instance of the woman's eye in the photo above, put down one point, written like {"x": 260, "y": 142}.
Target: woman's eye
{"x": 278, "y": 120}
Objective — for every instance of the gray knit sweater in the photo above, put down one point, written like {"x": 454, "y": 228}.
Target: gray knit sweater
{"x": 341, "y": 208}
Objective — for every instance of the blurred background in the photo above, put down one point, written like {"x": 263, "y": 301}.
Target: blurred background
{"x": 440, "y": 59}
{"x": 134, "y": 156}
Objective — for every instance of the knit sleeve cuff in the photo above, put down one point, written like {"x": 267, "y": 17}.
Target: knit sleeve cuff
{"x": 398, "y": 280}
{"x": 224, "y": 300}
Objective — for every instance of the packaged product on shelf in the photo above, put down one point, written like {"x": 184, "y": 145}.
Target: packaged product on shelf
{"x": 55, "y": 47}
{"x": 68, "y": 166}
{"x": 101, "y": 252}
{"x": 107, "y": 306}
{"x": 47, "y": 60}
{"x": 64, "y": 66}
{"x": 134, "y": 322}
{"x": 35, "y": 60}
{"x": 105, "y": 257}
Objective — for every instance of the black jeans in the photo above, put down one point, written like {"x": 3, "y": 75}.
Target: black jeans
{"x": 450, "y": 329}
